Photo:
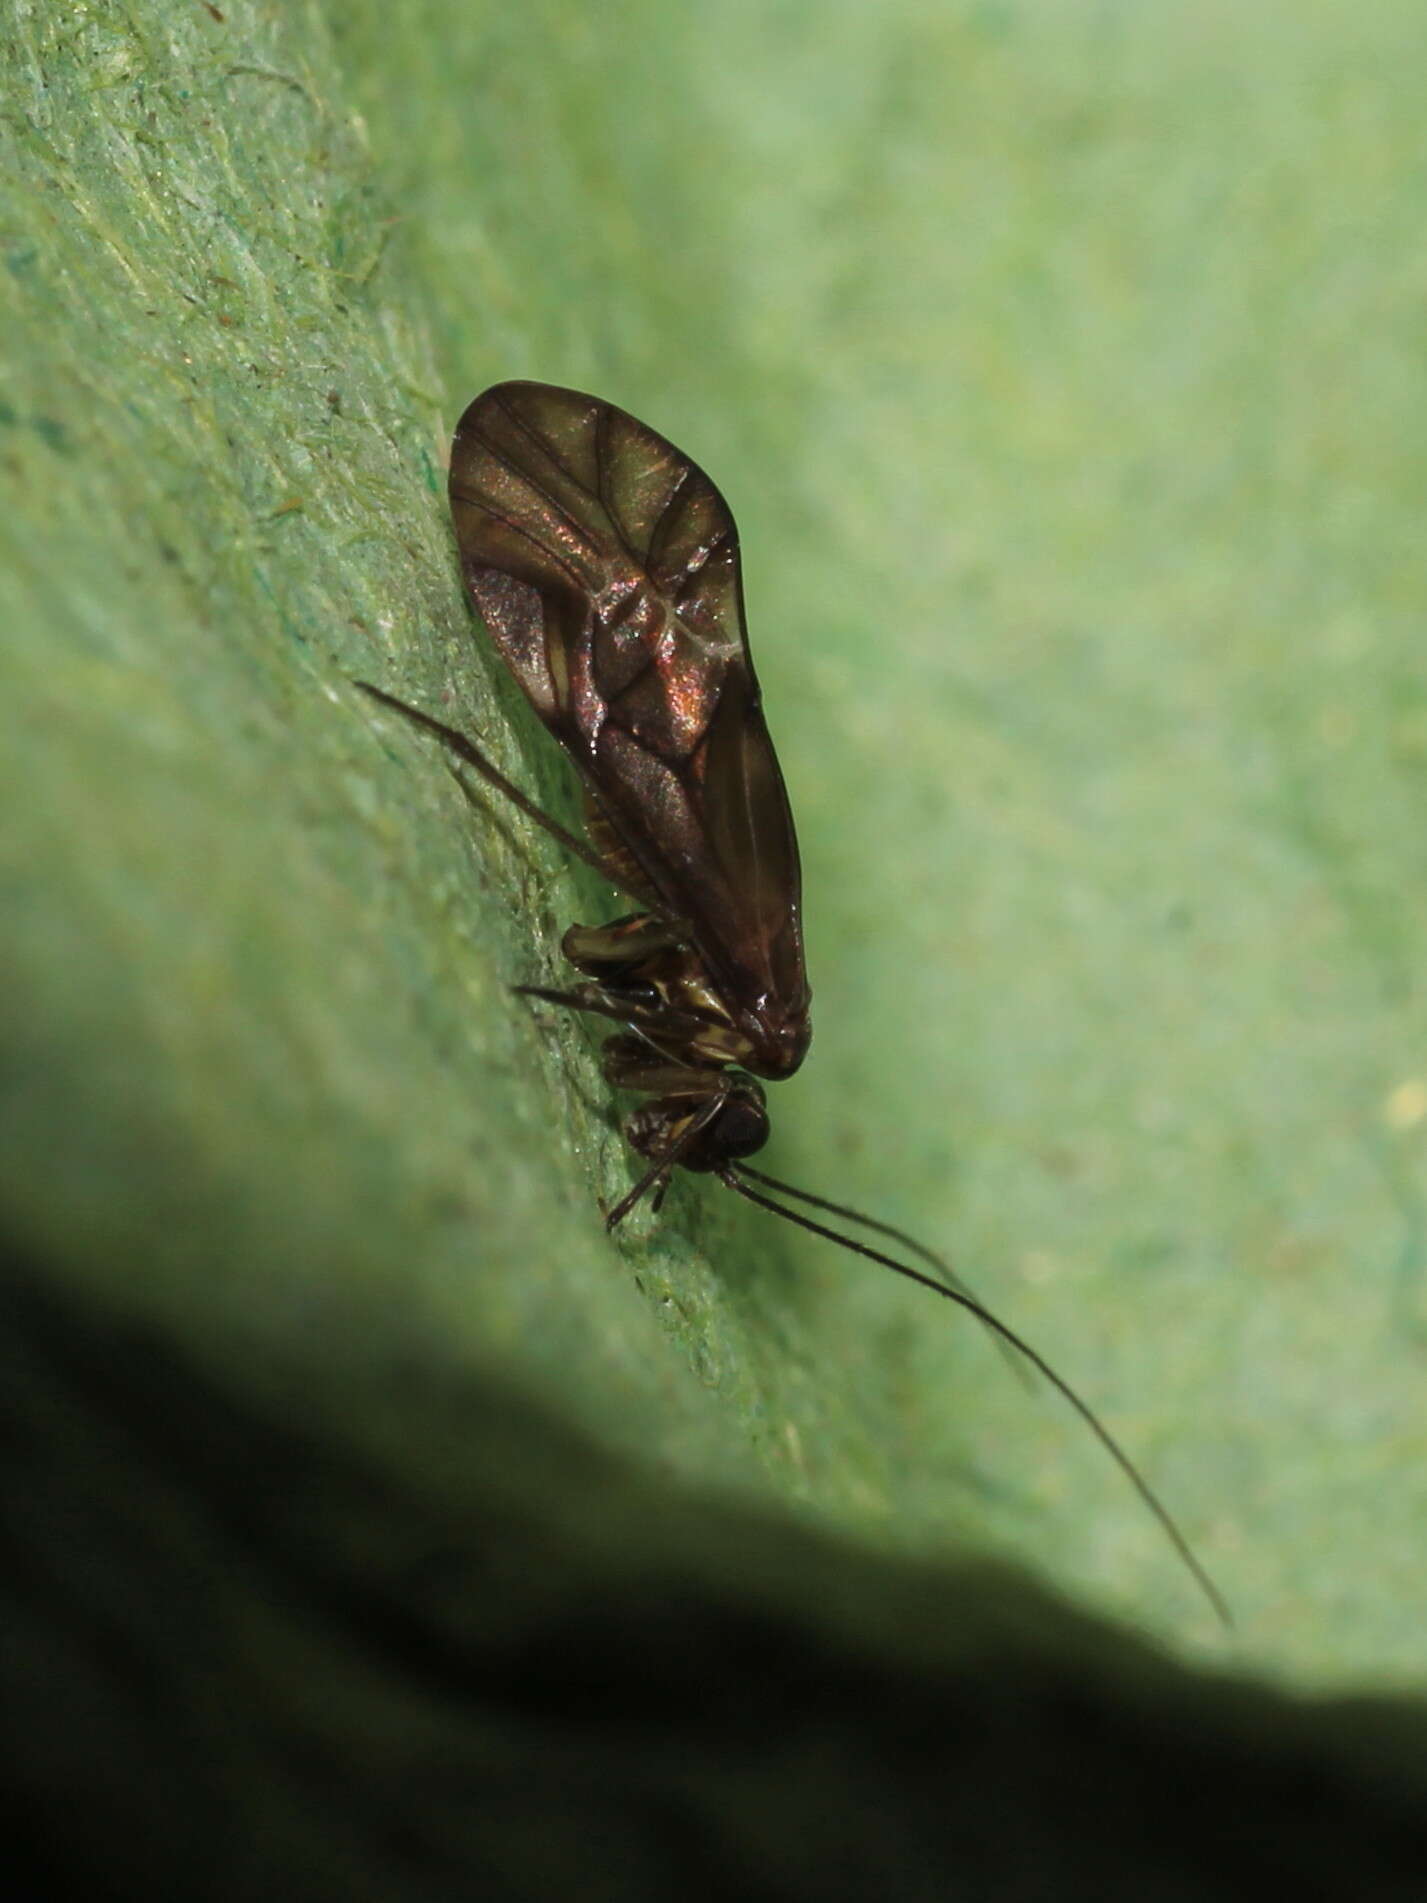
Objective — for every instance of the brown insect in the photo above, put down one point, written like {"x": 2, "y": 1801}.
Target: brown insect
{"x": 605, "y": 565}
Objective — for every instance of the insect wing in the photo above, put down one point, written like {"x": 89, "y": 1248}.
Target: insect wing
{"x": 605, "y": 565}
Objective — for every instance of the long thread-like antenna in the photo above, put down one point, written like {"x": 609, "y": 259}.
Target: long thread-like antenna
{"x": 948, "y": 1275}
{"x": 732, "y": 1180}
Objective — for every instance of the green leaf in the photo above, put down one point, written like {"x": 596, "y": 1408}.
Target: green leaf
{"x": 1061, "y": 367}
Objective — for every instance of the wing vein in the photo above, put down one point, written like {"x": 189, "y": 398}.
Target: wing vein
{"x": 518, "y": 528}
{"x": 552, "y": 502}
{"x": 542, "y": 443}
{"x": 602, "y": 465}
{"x": 656, "y": 533}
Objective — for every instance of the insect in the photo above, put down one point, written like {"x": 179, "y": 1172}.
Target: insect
{"x": 605, "y": 565}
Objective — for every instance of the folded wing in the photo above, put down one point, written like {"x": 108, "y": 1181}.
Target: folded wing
{"x": 605, "y": 565}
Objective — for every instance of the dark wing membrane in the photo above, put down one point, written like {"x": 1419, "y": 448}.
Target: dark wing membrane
{"x": 605, "y": 565}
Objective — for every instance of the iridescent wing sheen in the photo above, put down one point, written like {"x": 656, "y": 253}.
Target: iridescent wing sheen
{"x": 605, "y": 565}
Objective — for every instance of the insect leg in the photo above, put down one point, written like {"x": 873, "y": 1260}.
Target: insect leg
{"x": 647, "y": 1018}
{"x": 630, "y": 1061}
{"x": 619, "y": 948}
{"x": 659, "y": 1170}
{"x": 582, "y": 998}
{"x": 468, "y": 751}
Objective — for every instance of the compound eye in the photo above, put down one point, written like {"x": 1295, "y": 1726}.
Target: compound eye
{"x": 742, "y": 1128}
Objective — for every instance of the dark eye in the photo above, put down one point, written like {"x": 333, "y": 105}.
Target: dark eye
{"x": 742, "y": 1127}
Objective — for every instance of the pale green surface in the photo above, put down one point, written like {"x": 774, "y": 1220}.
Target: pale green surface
{"x": 1063, "y": 366}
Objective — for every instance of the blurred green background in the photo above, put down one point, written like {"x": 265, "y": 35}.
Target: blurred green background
{"x": 1064, "y": 367}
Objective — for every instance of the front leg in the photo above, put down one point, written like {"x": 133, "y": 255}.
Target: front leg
{"x": 664, "y": 1028}
{"x": 578, "y": 998}
{"x": 670, "y": 1132}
